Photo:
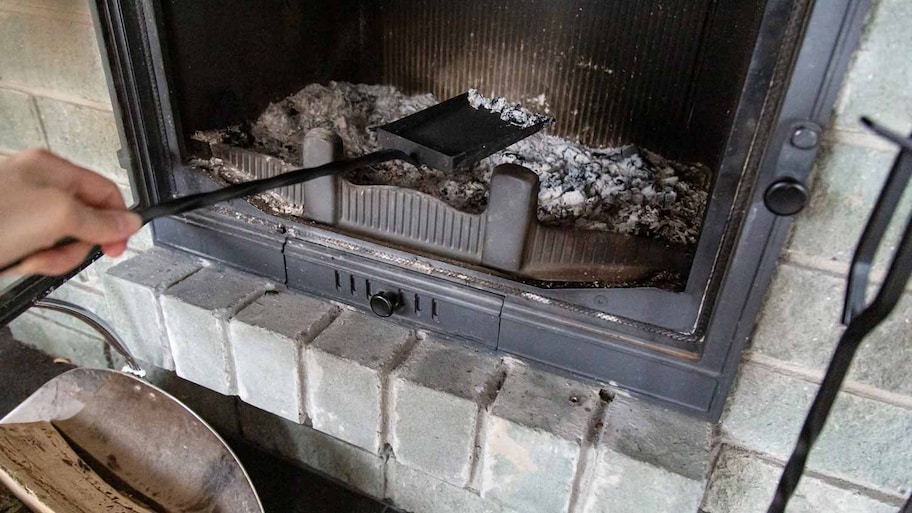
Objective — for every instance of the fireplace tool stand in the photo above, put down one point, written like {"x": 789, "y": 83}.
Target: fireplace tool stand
{"x": 860, "y": 319}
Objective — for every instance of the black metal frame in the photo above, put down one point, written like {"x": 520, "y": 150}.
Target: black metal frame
{"x": 681, "y": 348}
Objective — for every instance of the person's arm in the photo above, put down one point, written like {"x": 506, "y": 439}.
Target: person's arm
{"x": 44, "y": 198}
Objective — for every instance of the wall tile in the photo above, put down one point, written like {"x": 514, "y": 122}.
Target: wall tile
{"x": 19, "y": 125}
{"x": 847, "y": 182}
{"x": 878, "y": 81}
{"x": 864, "y": 441}
{"x": 52, "y": 53}
{"x": 84, "y": 135}
{"x": 800, "y": 324}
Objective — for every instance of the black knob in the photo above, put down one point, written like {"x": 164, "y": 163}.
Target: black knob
{"x": 385, "y": 303}
{"x": 786, "y": 197}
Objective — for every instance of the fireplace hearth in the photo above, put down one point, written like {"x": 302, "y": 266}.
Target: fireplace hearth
{"x": 722, "y": 91}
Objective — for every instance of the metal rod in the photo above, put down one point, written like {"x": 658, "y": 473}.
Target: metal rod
{"x": 96, "y": 323}
{"x": 861, "y": 321}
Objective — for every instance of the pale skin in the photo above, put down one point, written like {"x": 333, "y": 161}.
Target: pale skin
{"x": 44, "y": 198}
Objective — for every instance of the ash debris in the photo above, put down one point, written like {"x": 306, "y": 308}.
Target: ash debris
{"x": 513, "y": 113}
{"x": 624, "y": 190}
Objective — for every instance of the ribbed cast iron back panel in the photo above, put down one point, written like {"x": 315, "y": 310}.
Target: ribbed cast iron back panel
{"x": 664, "y": 74}
{"x": 612, "y": 72}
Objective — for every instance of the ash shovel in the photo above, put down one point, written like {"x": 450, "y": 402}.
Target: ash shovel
{"x": 101, "y": 440}
{"x": 448, "y": 136}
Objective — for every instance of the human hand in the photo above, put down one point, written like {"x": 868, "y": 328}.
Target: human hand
{"x": 44, "y": 198}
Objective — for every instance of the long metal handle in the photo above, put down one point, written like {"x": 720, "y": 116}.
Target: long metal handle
{"x": 96, "y": 323}
{"x": 861, "y": 319}
{"x": 241, "y": 190}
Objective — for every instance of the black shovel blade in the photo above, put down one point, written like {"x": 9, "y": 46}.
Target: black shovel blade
{"x": 453, "y": 134}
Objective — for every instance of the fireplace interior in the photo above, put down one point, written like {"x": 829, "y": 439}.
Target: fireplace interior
{"x": 630, "y": 243}
{"x": 643, "y": 95}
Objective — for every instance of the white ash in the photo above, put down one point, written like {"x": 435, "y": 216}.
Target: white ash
{"x": 624, "y": 190}
{"x": 512, "y": 113}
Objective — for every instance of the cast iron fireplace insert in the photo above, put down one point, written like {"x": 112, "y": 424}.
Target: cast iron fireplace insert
{"x": 743, "y": 87}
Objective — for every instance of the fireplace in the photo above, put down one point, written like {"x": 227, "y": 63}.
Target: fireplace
{"x": 731, "y": 97}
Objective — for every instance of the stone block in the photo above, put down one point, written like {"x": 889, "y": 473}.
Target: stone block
{"x": 355, "y": 467}
{"x": 133, "y": 289}
{"x": 417, "y": 492}
{"x": 84, "y": 135}
{"x": 52, "y": 53}
{"x": 435, "y": 405}
{"x": 347, "y": 368}
{"x": 142, "y": 240}
{"x": 846, "y": 184}
{"x": 647, "y": 447}
{"x": 658, "y": 436}
{"x": 864, "y": 441}
{"x": 268, "y": 338}
{"x": 59, "y": 341}
{"x": 219, "y": 411}
{"x": 877, "y": 84}
{"x": 196, "y": 312}
{"x": 622, "y": 484}
{"x": 745, "y": 483}
{"x": 92, "y": 276}
{"x": 19, "y": 124}
{"x": 800, "y": 324}
{"x": 533, "y": 440}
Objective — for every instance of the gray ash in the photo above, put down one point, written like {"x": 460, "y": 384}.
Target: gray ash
{"x": 624, "y": 190}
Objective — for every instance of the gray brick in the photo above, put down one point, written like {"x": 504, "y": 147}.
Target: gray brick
{"x": 744, "y": 483}
{"x": 353, "y": 466}
{"x": 268, "y": 338}
{"x": 533, "y": 438}
{"x": 346, "y": 367}
{"x": 92, "y": 276}
{"x": 142, "y": 240}
{"x": 133, "y": 289}
{"x": 800, "y": 324}
{"x": 84, "y": 135}
{"x": 622, "y": 484}
{"x": 416, "y": 492}
{"x": 19, "y": 124}
{"x": 59, "y": 341}
{"x": 52, "y": 53}
{"x": 864, "y": 440}
{"x": 658, "y": 436}
{"x": 877, "y": 84}
{"x": 196, "y": 311}
{"x": 846, "y": 184}
{"x": 435, "y": 404}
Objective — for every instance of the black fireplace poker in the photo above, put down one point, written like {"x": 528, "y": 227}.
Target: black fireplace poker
{"x": 860, "y": 318}
{"x": 448, "y": 136}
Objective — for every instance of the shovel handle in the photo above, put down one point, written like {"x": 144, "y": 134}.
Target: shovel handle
{"x": 241, "y": 190}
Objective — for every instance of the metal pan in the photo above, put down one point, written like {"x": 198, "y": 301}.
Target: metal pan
{"x": 143, "y": 441}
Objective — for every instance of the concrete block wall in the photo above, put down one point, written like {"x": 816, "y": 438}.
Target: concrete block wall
{"x": 425, "y": 424}
{"x": 53, "y": 95}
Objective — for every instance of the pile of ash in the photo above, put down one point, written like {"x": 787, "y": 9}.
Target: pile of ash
{"x": 624, "y": 190}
